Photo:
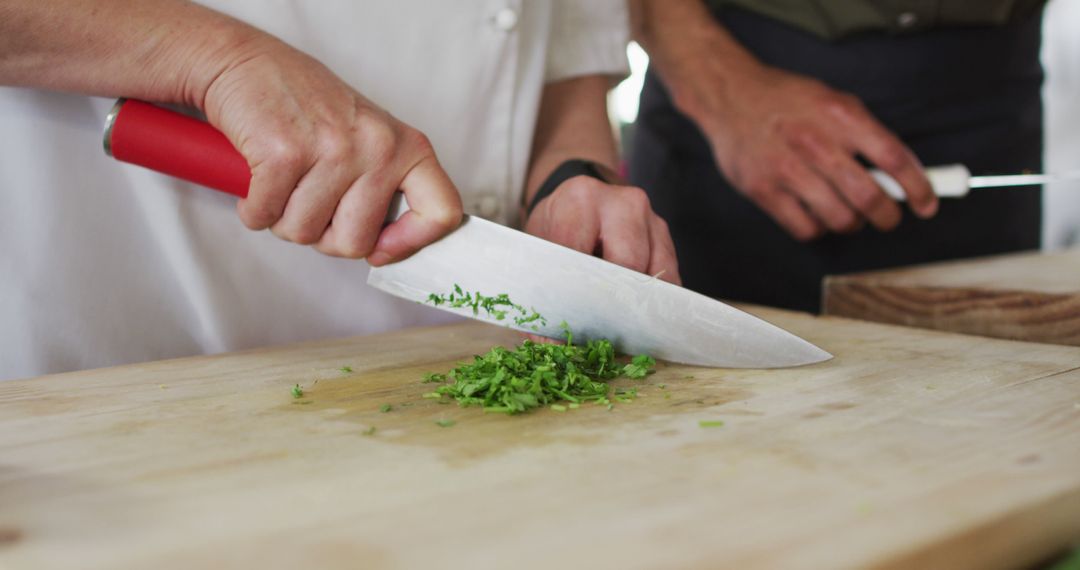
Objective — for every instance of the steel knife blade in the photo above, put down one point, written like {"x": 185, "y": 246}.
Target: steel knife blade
{"x": 597, "y": 299}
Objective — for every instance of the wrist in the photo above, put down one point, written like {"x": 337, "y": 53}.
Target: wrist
{"x": 565, "y": 171}
{"x": 228, "y": 44}
{"x": 703, "y": 67}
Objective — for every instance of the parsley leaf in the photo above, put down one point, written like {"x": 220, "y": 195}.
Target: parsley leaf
{"x": 499, "y": 306}
{"x": 639, "y": 367}
{"x": 297, "y": 391}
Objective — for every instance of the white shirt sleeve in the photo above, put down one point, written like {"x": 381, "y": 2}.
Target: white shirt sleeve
{"x": 588, "y": 37}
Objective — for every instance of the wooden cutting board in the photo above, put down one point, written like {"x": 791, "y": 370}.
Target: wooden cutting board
{"x": 911, "y": 449}
{"x": 1029, "y": 296}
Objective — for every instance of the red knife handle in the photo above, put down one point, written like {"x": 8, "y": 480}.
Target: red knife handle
{"x": 174, "y": 144}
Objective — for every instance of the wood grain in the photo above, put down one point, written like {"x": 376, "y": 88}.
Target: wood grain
{"x": 911, "y": 449}
{"x": 1032, "y": 297}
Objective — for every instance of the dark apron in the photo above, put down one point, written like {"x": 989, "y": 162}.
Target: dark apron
{"x": 965, "y": 95}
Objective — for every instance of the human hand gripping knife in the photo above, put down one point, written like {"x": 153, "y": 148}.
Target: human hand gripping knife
{"x": 638, "y": 313}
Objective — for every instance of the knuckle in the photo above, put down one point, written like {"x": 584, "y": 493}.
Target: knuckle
{"x": 305, "y": 233}
{"x": 579, "y": 189}
{"x": 754, "y": 190}
{"x": 635, "y": 260}
{"x": 892, "y": 157}
{"x": 284, "y": 153}
{"x": 794, "y": 130}
{"x": 788, "y": 168}
{"x": 661, "y": 224}
{"x": 417, "y": 142}
{"x": 843, "y": 219}
{"x": 357, "y": 248}
{"x": 866, "y": 199}
{"x": 842, "y": 105}
{"x": 447, "y": 217}
{"x": 336, "y": 146}
{"x": 257, "y": 215}
{"x": 759, "y": 189}
{"x": 636, "y": 197}
{"x": 779, "y": 126}
{"x": 380, "y": 140}
{"x": 806, "y": 232}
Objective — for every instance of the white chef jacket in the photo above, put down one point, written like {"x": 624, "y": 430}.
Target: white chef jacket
{"x": 103, "y": 263}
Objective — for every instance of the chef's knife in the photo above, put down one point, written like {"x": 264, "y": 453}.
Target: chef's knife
{"x": 955, "y": 181}
{"x": 598, "y": 299}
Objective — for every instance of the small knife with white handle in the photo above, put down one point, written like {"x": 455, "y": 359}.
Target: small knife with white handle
{"x": 638, "y": 313}
{"x": 955, "y": 181}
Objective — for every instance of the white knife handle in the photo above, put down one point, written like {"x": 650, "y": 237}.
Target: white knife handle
{"x": 948, "y": 181}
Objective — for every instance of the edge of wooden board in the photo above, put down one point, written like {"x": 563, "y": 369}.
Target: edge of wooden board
{"x": 1011, "y": 315}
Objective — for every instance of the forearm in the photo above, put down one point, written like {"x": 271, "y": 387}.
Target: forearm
{"x": 698, "y": 59}
{"x": 572, "y": 124}
{"x": 160, "y": 50}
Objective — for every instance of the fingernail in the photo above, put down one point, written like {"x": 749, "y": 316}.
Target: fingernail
{"x": 378, "y": 258}
{"x": 929, "y": 209}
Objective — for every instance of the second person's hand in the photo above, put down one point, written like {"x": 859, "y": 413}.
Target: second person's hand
{"x": 790, "y": 144}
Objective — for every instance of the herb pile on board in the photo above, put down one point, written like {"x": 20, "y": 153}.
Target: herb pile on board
{"x": 533, "y": 374}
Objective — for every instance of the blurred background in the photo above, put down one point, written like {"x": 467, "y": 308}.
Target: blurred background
{"x": 1061, "y": 95}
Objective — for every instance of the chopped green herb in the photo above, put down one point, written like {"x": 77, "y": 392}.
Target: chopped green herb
{"x": 1071, "y": 561}
{"x": 511, "y": 381}
{"x": 433, "y": 396}
{"x": 574, "y": 405}
{"x": 433, "y": 377}
{"x": 662, "y": 386}
{"x": 385, "y": 408}
{"x": 297, "y": 391}
{"x": 667, "y": 395}
{"x": 445, "y": 423}
{"x": 639, "y": 367}
{"x": 626, "y": 396}
{"x": 346, "y": 369}
{"x": 498, "y": 306}
{"x": 558, "y": 408}
{"x": 534, "y": 375}
{"x": 710, "y": 423}
{"x": 369, "y": 431}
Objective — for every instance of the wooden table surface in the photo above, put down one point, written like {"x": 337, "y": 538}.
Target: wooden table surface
{"x": 911, "y": 449}
{"x": 1027, "y": 296}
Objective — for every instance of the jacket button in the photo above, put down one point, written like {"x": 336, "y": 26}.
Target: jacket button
{"x": 505, "y": 20}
